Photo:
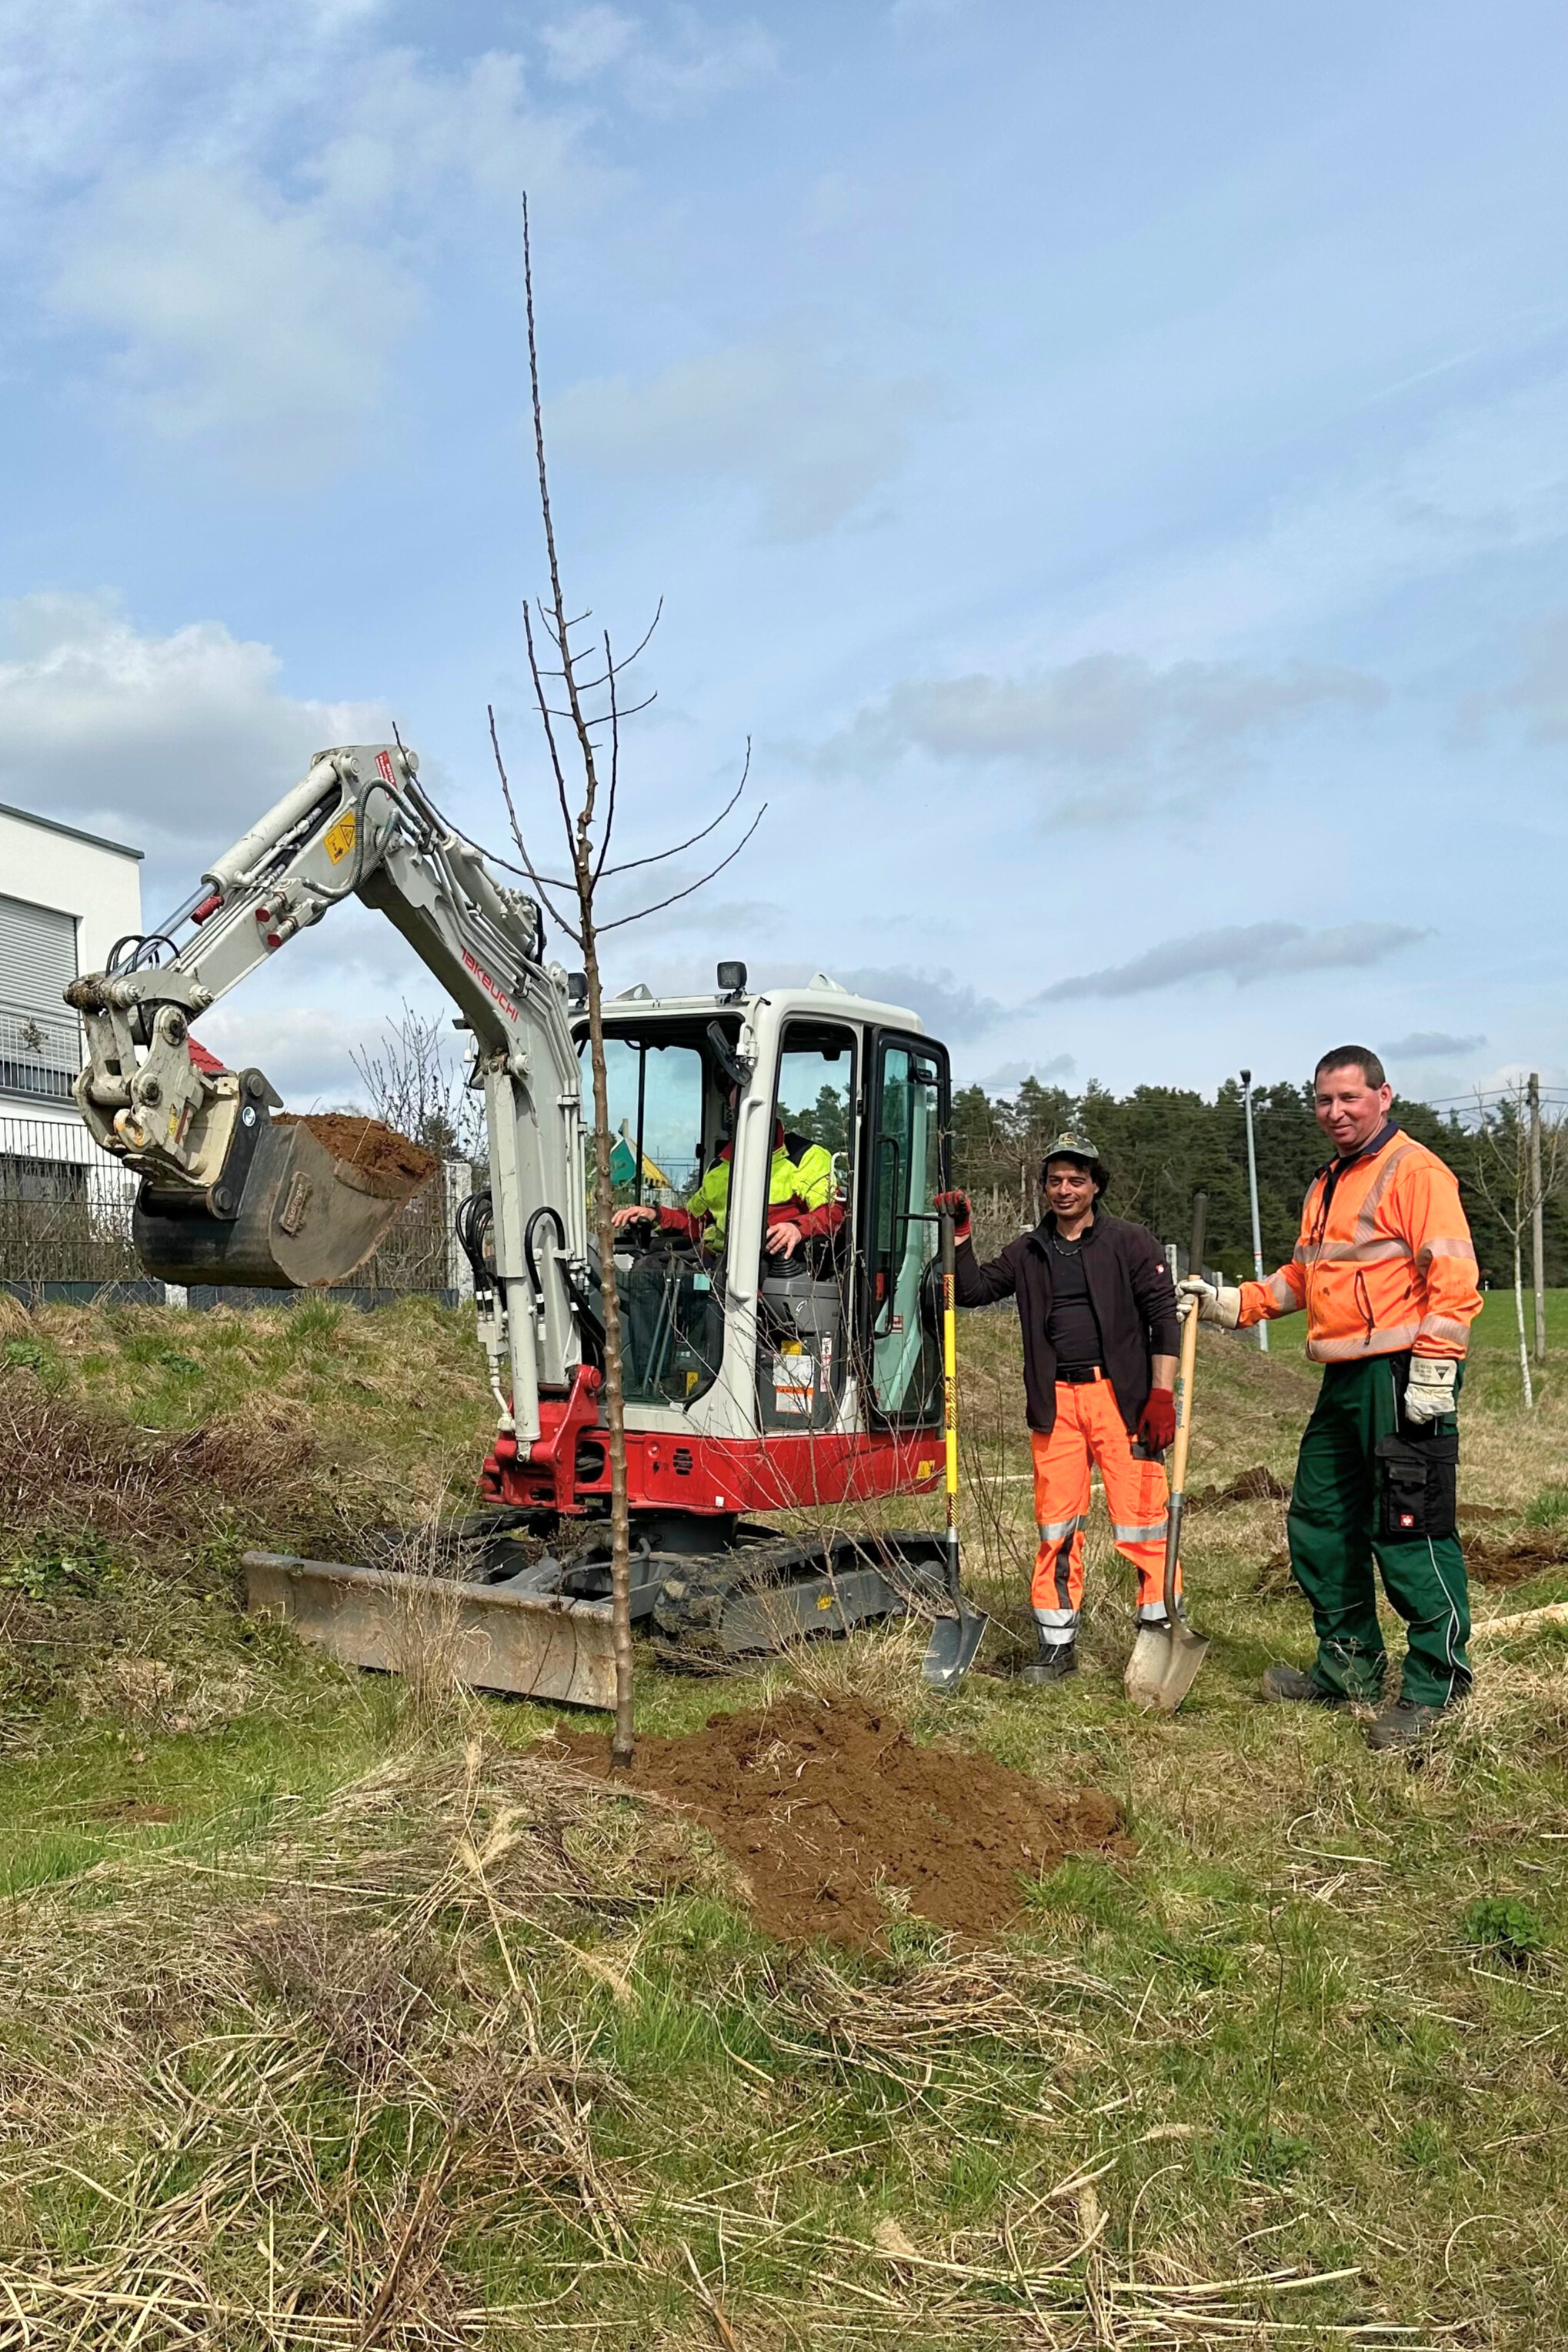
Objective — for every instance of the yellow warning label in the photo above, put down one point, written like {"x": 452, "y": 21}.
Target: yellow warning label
{"x": 825, "y": 1601}
{"x": 925, "y": 1469}
{"x": 339, "y": 838}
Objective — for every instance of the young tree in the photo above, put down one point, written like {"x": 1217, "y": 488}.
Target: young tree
{"x": 583, "y": 739}
{"x": 417, "y": 1086}
{"x": 1514, "y": 1180}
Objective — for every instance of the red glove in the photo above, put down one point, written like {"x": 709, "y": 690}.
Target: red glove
{"x": 1157, "y": 1429}
{"x": 958, "y": 1208}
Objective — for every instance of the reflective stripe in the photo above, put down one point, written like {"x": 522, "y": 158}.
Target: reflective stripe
{"x": 1057, "y": 1530}
{"x": 1373, "y": 1253}
{"x": 1281, "y": 1291}
{"x": 1156, "y": 1534}
{"x": 1152, "y": 1613}
{"x": 1057, "y": 1625}
{"x": 1444, "y": 1327}
{"x": 1339, "y": 1351}
{"x": 1442, "y": 1247}
{"x": 1366, "y": 1221}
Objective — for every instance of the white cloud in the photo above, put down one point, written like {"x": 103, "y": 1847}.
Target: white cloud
{"x": 173, "y": 743}
{"x": 686, "y": 70}
{"x": 308, "y": 1052}
{"x": 259, "y": 312}
{"x": 1427, "y": 1045}
{"x": 237, "y": 316}
{"x": 1243, "y": 952}
{"x": 1105, "y": 715}
{"x": 807, "y": 431}
{"x": 1537, "y": 694}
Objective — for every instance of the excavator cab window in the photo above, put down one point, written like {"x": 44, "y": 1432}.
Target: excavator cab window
{"x": 802, "y": 1306}
{"x": 904, "y": 1150}
{"x": 660, "y": 1089}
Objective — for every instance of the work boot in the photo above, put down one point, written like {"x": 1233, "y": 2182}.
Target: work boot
{"x": 1406, "y": 1723}
{"x": 1055, "y": 1662}
{"x": 1290, "y": 1682}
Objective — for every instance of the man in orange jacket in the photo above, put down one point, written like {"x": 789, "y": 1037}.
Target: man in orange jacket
{"x": 1387, "y": 1271}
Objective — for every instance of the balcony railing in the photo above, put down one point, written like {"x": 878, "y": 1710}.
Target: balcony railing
{"x": 40, "y": 1052}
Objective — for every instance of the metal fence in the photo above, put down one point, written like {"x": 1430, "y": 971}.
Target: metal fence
{"x": 65, "y": 1229}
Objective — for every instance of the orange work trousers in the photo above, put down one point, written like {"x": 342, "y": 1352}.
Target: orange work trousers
{"x": 1089, "y": 1432}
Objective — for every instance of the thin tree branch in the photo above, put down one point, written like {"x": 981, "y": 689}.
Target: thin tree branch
{"x": 615, "y": 717}
{"x": 676, "y": 896}
{"x": 548, "y": 730}
{"x": 539, "y": 880}
{"x": 632, "y": 864}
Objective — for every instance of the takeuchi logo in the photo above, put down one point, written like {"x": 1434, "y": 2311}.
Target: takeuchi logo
{"x": 490, "y": 988}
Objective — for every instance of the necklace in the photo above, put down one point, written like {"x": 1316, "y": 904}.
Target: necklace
{"x": 1065, "y": 1249}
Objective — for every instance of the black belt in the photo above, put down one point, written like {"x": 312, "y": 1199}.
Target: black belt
{"x": 1079, "y": 1376}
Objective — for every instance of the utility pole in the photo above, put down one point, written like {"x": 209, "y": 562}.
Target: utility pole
{"x": 1252, "y": 1189}
{"x": 1537, "y": 1218}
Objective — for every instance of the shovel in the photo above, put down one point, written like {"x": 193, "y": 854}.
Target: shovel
{"x": 953, "y": 1640}
{"x": 1165, "y": 1658}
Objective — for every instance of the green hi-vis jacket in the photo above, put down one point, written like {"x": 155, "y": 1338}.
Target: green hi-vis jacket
{"x": 800, "y": 1192}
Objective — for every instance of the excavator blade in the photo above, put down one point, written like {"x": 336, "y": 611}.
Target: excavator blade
{"x": 306, "y": 1213}
{"x": 437, "y": 1629}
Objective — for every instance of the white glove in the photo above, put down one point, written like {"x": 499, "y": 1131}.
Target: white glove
{"x": 1222, "y": 1307}
{"x": 1430, "y": 1392}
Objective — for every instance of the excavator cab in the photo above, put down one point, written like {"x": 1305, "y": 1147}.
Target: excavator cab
{"x": 774, "y": 1167}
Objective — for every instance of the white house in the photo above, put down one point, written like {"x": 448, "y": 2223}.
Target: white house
{"x": 66, "y": 896}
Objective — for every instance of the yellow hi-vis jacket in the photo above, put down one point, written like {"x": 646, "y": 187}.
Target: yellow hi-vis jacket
{"x": 1384, "y": 1262}
{"x": 804, "y": 1186}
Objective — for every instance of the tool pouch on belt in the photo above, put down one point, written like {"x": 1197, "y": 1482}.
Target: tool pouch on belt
{"x": 1419, "y": 1486}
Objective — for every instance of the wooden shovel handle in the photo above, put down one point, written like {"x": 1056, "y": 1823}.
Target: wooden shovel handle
{"x": 1189, "y": 1353}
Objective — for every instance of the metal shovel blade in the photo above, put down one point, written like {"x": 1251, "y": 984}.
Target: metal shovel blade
{"x": 1164, "y": 1667}
{"x": 952, "y": 1649}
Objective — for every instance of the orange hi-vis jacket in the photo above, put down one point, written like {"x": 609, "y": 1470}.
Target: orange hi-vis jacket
{"x": 1386, "y": 1261}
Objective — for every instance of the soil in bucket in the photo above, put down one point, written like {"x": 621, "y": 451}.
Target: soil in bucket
{"x": 837, "y": 1820}
{"x": 392, "y": 1162}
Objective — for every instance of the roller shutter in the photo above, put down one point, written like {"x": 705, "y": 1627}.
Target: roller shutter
{"x": 37, "y": 955}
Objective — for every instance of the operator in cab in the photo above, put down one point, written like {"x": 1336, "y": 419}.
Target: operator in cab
{"x": 803, "y": 1200}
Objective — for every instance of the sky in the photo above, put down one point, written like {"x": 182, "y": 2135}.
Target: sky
{"x": 1110, "y": 463}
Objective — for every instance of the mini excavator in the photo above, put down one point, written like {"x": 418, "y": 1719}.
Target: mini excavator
{"x": 755, "y": 1383}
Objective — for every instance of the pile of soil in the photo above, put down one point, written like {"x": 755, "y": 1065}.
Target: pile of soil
{"x": 392, "y": 1163}
{"x": 825, "y": 1804}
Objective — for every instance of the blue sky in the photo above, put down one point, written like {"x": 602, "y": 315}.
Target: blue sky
{"x": 1111, "y": 461}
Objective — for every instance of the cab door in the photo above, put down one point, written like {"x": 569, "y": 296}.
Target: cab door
{"x": 903, "y": 1168}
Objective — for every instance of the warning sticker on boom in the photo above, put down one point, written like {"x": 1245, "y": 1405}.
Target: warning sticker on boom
{"x": 339, "y": 838}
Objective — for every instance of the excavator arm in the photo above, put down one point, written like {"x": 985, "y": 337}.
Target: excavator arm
{"x": 230, "y": 1194}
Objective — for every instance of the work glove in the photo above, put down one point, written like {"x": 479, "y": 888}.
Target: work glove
{"x": 957, "y": 1207}
{"x": 1430, "y": 1393}
{"x": 1157, "y": 1429}
{"x": 1222, "y": 1305}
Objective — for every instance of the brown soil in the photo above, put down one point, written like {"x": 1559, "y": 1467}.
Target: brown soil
{"x": 1511, "y": 1563}
{"x": 837, "y": 1820}
{"x": 1254, "y": 1485}
{"x": 366, "y": 1144}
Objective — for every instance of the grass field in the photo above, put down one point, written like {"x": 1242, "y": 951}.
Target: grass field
{"x": 331, "y": 2016}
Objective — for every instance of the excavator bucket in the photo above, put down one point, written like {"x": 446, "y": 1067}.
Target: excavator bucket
{"x": 317, "y": 1197}
{"x": 434, "y": 1630}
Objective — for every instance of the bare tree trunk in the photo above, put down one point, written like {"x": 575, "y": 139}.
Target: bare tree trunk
{"x": 1519, "y": 1317}
{"x": 623, "y": 1737}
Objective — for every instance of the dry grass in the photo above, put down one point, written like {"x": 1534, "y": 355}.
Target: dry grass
{"x": 333, "y": 2017}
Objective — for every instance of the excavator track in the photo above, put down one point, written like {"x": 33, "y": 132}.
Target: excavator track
{"x": 718, "y": 1611}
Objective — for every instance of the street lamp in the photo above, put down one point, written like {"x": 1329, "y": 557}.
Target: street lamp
{"x": 1252, "y": 1190}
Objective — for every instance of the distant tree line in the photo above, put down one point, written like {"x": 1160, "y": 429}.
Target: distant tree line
{"x": 1163, "y": 1144}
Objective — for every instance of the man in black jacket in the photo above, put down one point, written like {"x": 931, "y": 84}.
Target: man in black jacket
{"x": 1098, "y": 1314}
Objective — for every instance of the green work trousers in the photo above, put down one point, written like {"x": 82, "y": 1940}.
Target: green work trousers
{"x": 1334, "y": 1533}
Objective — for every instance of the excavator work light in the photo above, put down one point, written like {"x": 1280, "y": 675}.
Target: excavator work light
{"x": 731, "y": 979}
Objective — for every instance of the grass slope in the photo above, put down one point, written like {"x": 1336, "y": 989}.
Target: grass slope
{"x": 334, "y": 2017}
